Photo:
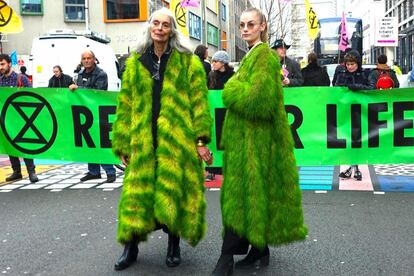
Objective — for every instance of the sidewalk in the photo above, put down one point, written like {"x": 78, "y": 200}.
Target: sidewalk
{"x": 56, "y": 176}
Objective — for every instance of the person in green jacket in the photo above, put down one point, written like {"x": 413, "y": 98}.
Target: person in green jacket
{"x": 163, "y": 123}
{"x": 260, "y": 196}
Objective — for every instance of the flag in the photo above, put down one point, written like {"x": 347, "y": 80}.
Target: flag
{"x": 180, "y": 15}
{"x": 343, "y": 39}
{"x": 312, "y": 21}
{"x": 9, "y": 21}
{"x": 190, "y": 3}
{"x": 13, "y": 57}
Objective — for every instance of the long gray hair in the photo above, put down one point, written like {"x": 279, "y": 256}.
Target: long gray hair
{"x": 177, "y": 40}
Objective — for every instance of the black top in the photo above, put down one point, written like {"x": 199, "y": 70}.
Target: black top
{"x": 62, "y": 81}
{"x": 355, "y": 81}
{"x": 96, "y": 79}
{"x": 217, "y": 79}
{"x": 314, "y": 75}
{"x": 156, "y": 67}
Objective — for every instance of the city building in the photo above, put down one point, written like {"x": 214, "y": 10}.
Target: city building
{"x": 302, "y": 45}
{"x": 404, "y": 11}
{"x": 369, "y": 11}
{"x": 211, "y": 24}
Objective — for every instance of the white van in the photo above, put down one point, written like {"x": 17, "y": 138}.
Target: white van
{"x": 64, "y": 47}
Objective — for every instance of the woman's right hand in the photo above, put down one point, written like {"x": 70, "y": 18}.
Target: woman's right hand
{"x": 125, "y": 160}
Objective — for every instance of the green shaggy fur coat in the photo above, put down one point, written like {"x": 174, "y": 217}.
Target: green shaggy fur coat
{"x": 260, "y": 196}
{"x": 173, "y": 193}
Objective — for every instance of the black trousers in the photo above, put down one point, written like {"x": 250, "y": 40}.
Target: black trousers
{"x": 234, "y": 244}
{"x": 15, "y": 163}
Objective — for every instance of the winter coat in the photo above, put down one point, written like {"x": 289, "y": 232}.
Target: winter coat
{"x": 295, "y": 75}
{"x": 63, "y": 81}
{"x": 98, "y": 79}
{"x": 314, "y": 75}
{"x": 260, "y": 195}
{"x": 375, "y": 73}
{"x": 166, "y": 186}
{"x": 355, "y": 81}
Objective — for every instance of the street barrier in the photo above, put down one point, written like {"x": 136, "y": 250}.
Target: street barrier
{"x": 330, "y": 125}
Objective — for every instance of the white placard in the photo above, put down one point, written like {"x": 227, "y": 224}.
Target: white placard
{"x": 386, "y": 32}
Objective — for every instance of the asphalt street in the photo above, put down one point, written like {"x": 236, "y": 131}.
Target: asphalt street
{"x": 73, "y": 233}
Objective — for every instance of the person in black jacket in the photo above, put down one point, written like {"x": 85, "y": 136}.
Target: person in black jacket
{"x": 93, "y": 77}
{"x": 352, "y": 76}
{"x": 313, "y": 74}
{"x": 292, "y": 76}
{"x": 221, "y": 72}
{"x": 202, "y": 52}
{"x": 59, "y": 79}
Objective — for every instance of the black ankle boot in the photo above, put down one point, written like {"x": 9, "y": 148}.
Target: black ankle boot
{"x": 357, "y": 174}
{"x": 173, "y": 252}
{"x": 346, "y": 174}
{"x": 224, "y": 266}
{"x": 255, "y": 256}
{"x": 129, "y": 256}
{"x": 33, "y": 177}
{"x": 14, "y": 176}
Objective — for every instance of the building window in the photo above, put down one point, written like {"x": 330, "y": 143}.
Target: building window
{"x": 212, "y": 5}
{"x": 195, "y": 26}
{"x": 223, "y": 12}
{"x": 74, "y": 10}
{"x": 125, "y": 10}
{"x": 31, "y": 7}
{"x": 224, "y": 40}
{"x": 212, "y": 35}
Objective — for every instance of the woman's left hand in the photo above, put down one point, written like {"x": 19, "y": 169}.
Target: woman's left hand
{"x": 205, "y": 154}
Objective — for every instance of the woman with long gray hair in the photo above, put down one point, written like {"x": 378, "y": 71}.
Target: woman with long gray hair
{"x": 160, "y": 133}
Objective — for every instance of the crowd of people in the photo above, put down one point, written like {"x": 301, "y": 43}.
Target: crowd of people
{"x": 162, "y": 129}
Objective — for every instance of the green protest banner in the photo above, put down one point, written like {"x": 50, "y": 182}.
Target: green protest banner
{"x": 57, "y": 124}
{"x": 330, "y": 125}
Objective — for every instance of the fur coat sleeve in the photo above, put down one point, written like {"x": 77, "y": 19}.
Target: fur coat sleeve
{"x": 199, "y": 100}
{"x": 250, "y": 93}
{"x": 120, "y": 130}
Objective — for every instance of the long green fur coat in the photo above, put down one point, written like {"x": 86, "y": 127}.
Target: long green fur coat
{"x": 260, "y": 196}
{"x": 173, "y": 193}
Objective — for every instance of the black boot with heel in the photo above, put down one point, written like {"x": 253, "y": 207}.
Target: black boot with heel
{"x": 173, "y": 252}
{"x": 224, "y": 266}
{"x": 255, "y": 258}
{"x": 346, "y": 174}
{"x": 357, "y": 173}
{"x": 128, "y": 257}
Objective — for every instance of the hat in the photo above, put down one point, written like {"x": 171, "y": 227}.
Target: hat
{"x": 280, "y": 43}
{"x": 221, "y": 56}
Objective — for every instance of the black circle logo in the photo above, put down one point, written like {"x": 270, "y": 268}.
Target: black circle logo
{"x": 23, "y": 133}
{"x": 180, "y": 15}
{"x": 6, "y": 13}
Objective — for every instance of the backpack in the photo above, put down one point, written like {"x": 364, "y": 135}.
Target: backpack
{"x": 384, "y": 80}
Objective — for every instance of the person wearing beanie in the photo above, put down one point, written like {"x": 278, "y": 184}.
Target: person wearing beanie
{"x": 221, "y": 72}
{"x": 217, "y": 78}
